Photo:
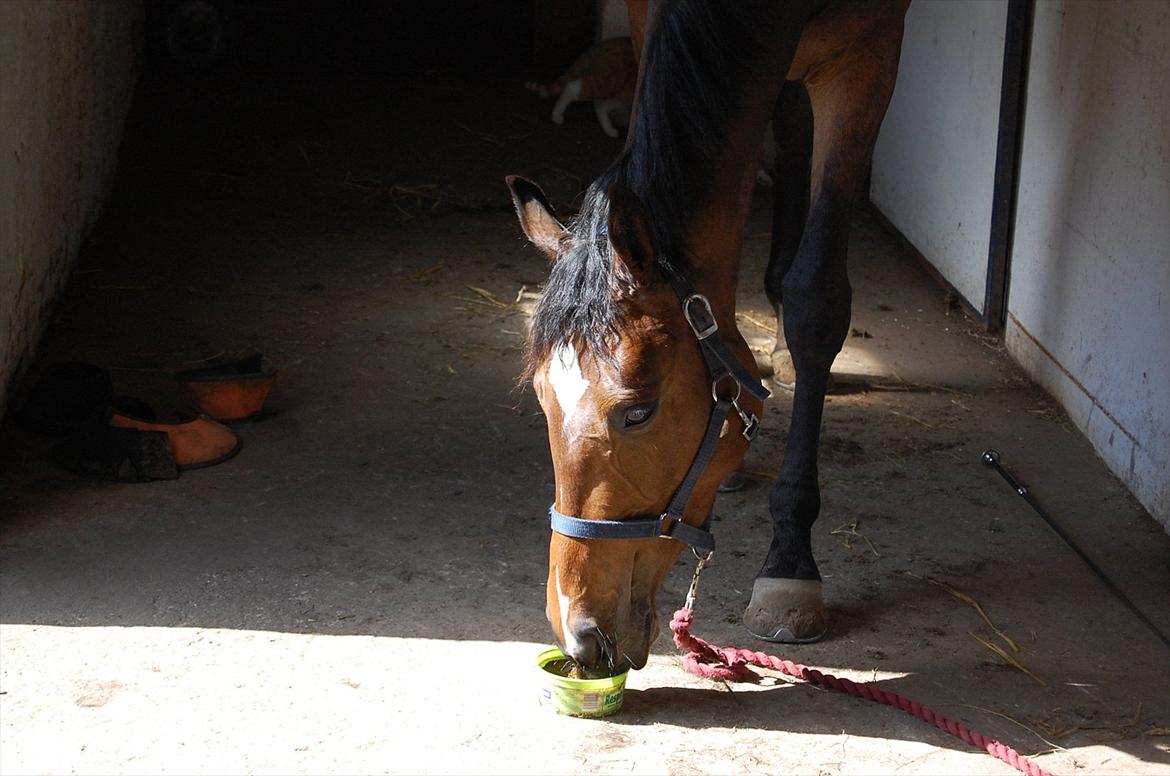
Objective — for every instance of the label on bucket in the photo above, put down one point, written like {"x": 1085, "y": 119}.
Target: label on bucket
{"x": 581, "y": 704}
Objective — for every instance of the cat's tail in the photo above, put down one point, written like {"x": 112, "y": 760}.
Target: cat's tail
{"x": 551, "y": 89}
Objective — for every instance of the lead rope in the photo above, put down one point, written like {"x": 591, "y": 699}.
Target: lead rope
{"x": 730, "y": 664}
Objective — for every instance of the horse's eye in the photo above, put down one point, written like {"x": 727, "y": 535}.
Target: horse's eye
{"x": 637, "y": 415}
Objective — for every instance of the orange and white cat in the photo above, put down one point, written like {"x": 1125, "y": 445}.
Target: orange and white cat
{"x": 605, "y": 74}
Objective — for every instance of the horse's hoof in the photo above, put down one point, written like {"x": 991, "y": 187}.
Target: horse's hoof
{"x": 787, "y": 610}
{"x": 783, "y": 371}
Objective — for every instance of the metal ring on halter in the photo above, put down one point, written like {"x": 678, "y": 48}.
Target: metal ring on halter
{"x": 715, "y": 387}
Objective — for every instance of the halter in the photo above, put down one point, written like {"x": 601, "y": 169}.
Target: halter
{"x": 722, "y": 365}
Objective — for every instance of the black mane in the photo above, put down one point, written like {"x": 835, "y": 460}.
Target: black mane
{"x": 695, "y": 64}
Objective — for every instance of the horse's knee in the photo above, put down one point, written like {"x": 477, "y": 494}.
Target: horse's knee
{"x": 787, "y": 610}
{"x": 816, "y": 323}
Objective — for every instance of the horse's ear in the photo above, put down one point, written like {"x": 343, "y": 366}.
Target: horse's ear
{"x": 536, "y": 215}
{"x": 630, "y": 241}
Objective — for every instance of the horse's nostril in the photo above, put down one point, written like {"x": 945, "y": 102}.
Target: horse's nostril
{"x": 588, "y": 647}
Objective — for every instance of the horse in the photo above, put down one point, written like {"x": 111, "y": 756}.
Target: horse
{"x": 650, "y": 392}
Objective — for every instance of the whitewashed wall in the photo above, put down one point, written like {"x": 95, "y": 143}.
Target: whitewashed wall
{"x": 934, "y": 163}
{"x": 1089, "y": 289}
{"x": 1089, "y": 297}
{"x": 66, "y": 74}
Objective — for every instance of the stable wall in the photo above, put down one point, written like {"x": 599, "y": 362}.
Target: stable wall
{"x": 1089, "y": 296}
{"x": 1089, "y": 280}
{"x": 934, "y": 161}
{"x": 67, "y": 70}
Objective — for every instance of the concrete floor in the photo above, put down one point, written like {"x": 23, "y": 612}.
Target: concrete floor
{"x": 361, "y": 589}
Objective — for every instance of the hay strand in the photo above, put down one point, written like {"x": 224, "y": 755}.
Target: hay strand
{"x": 967, "y": 599}
{"x": 1009, "y": 659}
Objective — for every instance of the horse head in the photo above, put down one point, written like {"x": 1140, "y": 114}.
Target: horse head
{"x": 619, "y": 371}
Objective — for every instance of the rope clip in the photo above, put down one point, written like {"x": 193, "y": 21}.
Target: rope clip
{"x": 693, "y": 590}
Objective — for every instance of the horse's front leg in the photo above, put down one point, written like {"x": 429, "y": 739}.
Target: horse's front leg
{"x": 848, "y": 101}
{"x": 786, "y": 602}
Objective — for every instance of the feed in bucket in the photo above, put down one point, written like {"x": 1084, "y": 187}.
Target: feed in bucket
{"x": 577, "y": 697}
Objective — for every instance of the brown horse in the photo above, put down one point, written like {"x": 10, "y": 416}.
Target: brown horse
{"x": 622, "y": 367}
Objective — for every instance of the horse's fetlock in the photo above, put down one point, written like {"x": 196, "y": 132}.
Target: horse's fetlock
{"x": 794, "y": 499}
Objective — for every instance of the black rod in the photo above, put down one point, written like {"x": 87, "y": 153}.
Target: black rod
{"x": 992, "y": 459}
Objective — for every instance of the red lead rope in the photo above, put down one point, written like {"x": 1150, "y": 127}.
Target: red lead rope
{"x": 731, "y": 665}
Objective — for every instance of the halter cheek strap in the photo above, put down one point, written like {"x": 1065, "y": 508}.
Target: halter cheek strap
{"x": 720, "y": 360}
{"x": 721, "y": 365}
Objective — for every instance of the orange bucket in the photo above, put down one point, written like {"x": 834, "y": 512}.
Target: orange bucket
{"x": 230, "y": 391}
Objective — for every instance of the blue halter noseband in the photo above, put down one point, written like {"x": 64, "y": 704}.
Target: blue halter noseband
{"x": 721, "y": 365}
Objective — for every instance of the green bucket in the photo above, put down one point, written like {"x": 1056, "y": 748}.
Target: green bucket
{"x": 578, "y": 697}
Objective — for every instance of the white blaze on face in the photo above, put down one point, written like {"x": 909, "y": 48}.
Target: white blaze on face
{"x": 563, "y": 603}
{"x": 568, "y": 384}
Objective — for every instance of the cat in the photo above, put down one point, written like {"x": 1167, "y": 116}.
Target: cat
{"x": 605, "y": 74}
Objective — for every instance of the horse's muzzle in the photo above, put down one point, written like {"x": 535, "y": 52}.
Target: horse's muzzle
{"x": 593, "y": 651}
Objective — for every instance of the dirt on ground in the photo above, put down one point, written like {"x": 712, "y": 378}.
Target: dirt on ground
{"x": 362, "y": 588}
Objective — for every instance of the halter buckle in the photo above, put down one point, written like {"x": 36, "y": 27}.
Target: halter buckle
{"x": 666, "y": 526}
{"x": 703, "y": 322}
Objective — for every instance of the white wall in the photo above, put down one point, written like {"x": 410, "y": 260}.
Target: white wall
{"x": 1089, "y": 295}
{"x": 66, "y": 75}
{"x": 934, "y": 163}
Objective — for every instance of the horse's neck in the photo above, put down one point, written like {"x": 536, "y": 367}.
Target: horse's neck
{"x": 712, "y": 234}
